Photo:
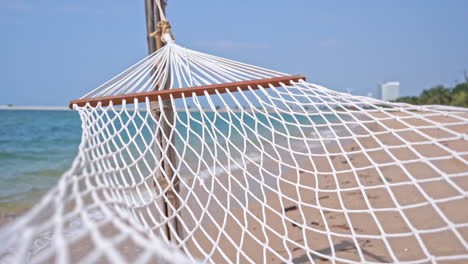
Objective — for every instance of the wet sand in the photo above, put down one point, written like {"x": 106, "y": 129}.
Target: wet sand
{"x": 9, "y": 216}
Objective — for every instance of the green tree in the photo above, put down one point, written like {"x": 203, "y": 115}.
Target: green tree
{"x": 437, "y": 95}
{"x": 409, "y": 100}
{"x": 462, "y": 87}
{"x": 460, "y": 98}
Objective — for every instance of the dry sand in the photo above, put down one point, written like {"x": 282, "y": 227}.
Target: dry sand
{"x": 302, "y": 216}
{"x": 296, "y": 217}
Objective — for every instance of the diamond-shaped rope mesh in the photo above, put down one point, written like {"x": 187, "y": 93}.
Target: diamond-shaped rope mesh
{"x": 296, "y": 173}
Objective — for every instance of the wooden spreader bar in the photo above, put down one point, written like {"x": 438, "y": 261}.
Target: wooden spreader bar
{"x": 188, "y": 92}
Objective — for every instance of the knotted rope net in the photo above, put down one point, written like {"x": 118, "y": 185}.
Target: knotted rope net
{"x": 292, "y": 172}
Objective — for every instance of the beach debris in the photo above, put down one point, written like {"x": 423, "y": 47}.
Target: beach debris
{"x": 343, "y": 226}
{"x": 290, "y": 208}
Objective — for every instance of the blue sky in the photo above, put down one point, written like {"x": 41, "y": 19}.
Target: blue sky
{"x": 52, "y": 51}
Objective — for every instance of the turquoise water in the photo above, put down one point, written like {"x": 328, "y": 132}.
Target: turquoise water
{"x": 36, "y": 147}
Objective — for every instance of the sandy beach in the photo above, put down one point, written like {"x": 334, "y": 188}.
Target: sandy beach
{"x": 360, "y": 213}
{"x": 360, "y": 203}
{"x": 9, "y": 216}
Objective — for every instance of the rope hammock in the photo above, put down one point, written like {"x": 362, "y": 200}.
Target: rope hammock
{"x": 188, "y": 157}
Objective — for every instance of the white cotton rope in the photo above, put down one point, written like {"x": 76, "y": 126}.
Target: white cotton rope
{"x": 160, "y": 9}
{"x": 294, "y": 173}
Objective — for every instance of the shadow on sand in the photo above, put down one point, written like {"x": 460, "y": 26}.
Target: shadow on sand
{"x": 343, "y": 246}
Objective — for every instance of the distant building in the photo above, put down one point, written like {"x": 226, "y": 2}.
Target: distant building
{"x": 389, "y": 91}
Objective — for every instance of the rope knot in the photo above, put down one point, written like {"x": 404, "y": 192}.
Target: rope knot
{"x": 163, "y": 32}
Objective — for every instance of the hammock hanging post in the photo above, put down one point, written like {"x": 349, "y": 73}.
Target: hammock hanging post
{"x": 165, "y": 116}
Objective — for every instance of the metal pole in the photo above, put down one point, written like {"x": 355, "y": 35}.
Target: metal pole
{"x": 166, "y": 154}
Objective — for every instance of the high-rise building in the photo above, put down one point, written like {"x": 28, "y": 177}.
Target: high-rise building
{"x": 389, "y": 91}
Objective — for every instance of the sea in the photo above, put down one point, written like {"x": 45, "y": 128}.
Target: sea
{"x": 38, "y": 146}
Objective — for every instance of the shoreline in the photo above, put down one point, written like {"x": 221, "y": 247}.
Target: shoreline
{"x": 65, "y": 108}
{"x": 43, "y": 108}
{"x": 142, "y": 108}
